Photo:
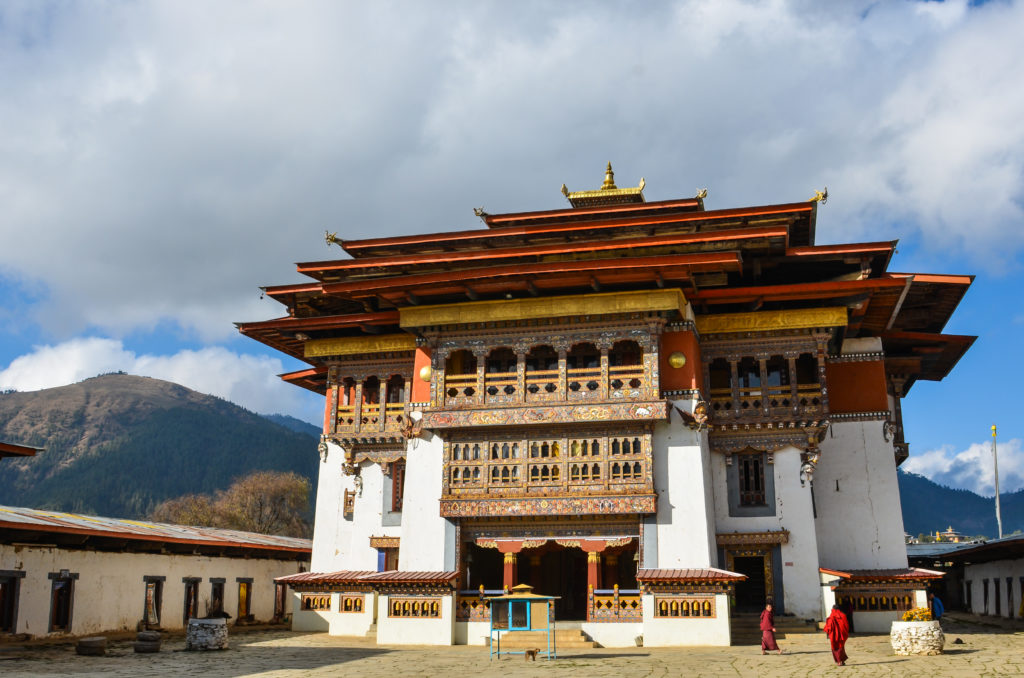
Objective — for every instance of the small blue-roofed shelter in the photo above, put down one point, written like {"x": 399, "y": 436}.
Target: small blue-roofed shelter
{"x": 522, "y": 610}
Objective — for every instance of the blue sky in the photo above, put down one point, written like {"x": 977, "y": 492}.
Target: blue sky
{"x": 162, "y": 160}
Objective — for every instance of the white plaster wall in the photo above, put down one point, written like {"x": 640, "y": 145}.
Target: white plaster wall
{"x": 332, "y": 533}
{"x": 311, "y": 621}
{"x": 683, "y": 528}
{"x": 614, "y": 635}
{"x": 793, "y": 512}
{"x": 109, "y": 593}
{"x": 416, "y": 631}
{"x": 368, "y": 518}
{"x": 860, "y": 524}
{"x": 352, "y": 623}
{"x": 471, "y": 633}
{"x": 428, "y": 540}
{"x": 875, "y": 622}
{"x": 687, "y": 632}
{"x": 1000, "y": 569}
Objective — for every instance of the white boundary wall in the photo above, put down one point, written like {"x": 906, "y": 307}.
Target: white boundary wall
{"x": 418, "y": 630}
{"x": 686, "y": 632}
{"x": 332, "y": 621}
{"x": 109, "y": 594}
{"x": 996, "y": 569}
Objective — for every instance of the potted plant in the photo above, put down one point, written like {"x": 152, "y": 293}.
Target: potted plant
{"x": 917, "y": 633}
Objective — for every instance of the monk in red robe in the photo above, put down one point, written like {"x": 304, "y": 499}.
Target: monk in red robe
{"x": 837, "y": 628}
{"x": 768, "y": 630}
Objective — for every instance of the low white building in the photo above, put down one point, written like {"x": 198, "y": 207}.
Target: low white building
{"x": 63, "y": 573}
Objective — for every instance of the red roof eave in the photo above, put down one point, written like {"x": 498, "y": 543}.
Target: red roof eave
{"x": 135, "y": 536}
{"x": 493, "y": 220}
{"x": 544, "y": 250}
{"x": 475, "y": 234}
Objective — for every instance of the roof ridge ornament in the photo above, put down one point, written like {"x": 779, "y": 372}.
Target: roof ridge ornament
{"x": 608, "y": 194}
{"x": 820, "y": 196}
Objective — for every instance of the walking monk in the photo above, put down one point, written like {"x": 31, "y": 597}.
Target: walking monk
{"x": 768, "y": 630}
{"x": 837, "y": 628}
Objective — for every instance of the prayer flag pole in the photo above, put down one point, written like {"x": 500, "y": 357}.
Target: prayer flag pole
{"x": 995, "y": 464}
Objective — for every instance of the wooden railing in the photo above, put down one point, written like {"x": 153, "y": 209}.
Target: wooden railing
{"x": 766, "y": 401}
{"x": 615, "y": 605}
{"x": 370, "y": 419}
{"x": 587, "y": 383}
{"x": 474, "y": 606}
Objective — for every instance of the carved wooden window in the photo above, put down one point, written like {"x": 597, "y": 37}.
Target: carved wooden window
{"x": 414, "y": 607}
{"x": 349, "y": 505}
{"x": 684, "y": 606}
{"x": 397, "y": 484}
{"x": 751, "y": 476}
{"x": 316, "y": 602}
{"x": 351, "y": 603}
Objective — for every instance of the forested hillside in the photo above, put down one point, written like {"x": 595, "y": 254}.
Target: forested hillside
{"x": 117, "y": 444}
{"x": 928, "y": 507}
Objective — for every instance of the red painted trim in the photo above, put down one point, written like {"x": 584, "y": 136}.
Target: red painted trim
{"x": 133, "y": 536}
{"x": 542, "y": 250}
{"x": 938, "y": 278}
{"x": 323, "y": 322}
{"x": 496, "y": 219}
{"x": 808, "y": 290}
{"x": 9, "y": 449}
{"x": 477, "y": 234}
{"x": 851, "y": 248}
{"x": 730, "y": 260}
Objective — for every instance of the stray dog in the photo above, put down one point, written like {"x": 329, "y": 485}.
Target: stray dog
{"x": 531, "y": 655}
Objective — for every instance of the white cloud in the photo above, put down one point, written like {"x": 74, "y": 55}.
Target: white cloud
{"x": 247, "y": 380}
{"x": 161, "y": 160}
{"x": 973, "y": 468}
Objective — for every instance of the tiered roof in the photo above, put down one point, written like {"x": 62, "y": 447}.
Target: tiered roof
{"x": 724, "y": 261}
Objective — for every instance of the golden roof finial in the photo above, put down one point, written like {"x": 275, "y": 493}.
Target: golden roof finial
{"x": 820, "y": 196}
{"x": 609, "y": 179}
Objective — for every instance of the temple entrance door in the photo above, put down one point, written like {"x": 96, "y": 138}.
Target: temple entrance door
{"x": 564, "y": 574}
{"x": 750, "y": 594}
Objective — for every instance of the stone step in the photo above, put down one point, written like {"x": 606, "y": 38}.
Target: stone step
{"x": 564, "y": 638}
{"x": 372, "y": 631}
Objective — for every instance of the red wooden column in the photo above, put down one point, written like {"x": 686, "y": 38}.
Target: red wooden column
{"x": 593, "y": 549}
{"x": 509, "y": 572}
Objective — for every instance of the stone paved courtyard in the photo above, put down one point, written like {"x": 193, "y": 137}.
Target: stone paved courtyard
{"x": 985, "y": 651}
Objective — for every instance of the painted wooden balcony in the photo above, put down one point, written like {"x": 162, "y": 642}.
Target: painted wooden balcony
{"x": 767, "y": 403}
{"x": 369, "y": 418}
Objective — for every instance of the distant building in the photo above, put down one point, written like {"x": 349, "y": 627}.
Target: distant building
{"x": 62, "y": 573}
{"x": 950, "y": 535}
{"x": 661, "y": 414}
{"x": 981, "y": 577}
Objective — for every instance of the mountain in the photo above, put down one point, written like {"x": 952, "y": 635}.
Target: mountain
{"x": 928, "y": 507}
{"x": 294, "y": 424}
{"x": 117, "y": 444}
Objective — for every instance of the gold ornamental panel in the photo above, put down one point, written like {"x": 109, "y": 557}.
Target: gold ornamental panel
{"x": 320, "y": 348}
{"x": 764, "y": 321}
{"x": 547, "y": 307}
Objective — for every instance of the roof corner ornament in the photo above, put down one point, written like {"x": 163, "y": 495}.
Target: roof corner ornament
{"x": 565, "y": 191}
{"x": 479, "y": 211}
{"x": 332, "y": 238}
{"x": 820, "y": 196}
{"x": 702, "y": 193}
